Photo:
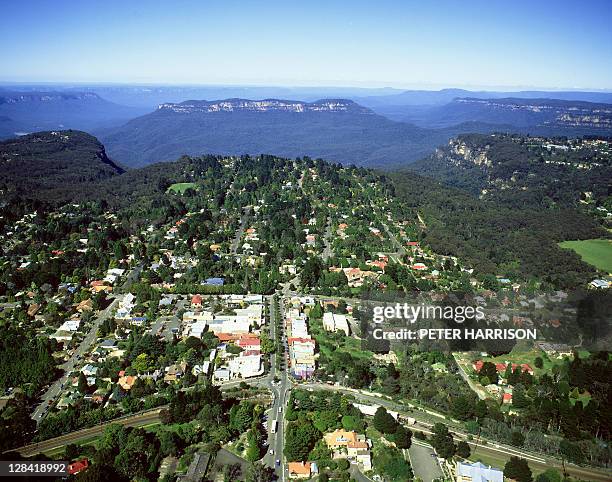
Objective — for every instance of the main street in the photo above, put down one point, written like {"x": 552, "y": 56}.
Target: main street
{"x": 56, "y": 387}
{"x": 280, "y": 394}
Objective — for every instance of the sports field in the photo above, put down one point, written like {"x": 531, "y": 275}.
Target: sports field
{"x": 597, "y": 252}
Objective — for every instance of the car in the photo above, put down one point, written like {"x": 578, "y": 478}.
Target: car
{"x": 277, "y": 463}
{"x": 271, "y": 451}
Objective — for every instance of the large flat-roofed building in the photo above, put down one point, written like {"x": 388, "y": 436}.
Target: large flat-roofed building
{"x": 333, "y": 322}
{"x": 478, "y": 472}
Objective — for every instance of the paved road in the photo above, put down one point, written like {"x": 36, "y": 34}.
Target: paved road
{"x": 132, "y": 276}
{"x": 327, "y": 251}
{"x": 358, "y": 476}
{"x": 482, "y": 394}
{"x": 240, "y": 230}
{"x": 55, "y": 389}
{"x": 424, "y": 462}
{"x": 401, "y": 250}
{"x": 280, "y": 396}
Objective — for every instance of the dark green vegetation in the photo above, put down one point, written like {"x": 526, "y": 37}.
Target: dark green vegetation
{"x": 523, "y": 171}
{"x": 531, "y": 203}
{"x": 25, "y": 360}
{"x": 551, "y": 418}
{"x": 355, "y": 135}
{"x": 51, "y": 166}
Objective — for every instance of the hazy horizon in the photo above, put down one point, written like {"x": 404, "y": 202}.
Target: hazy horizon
{"x": 393, "y": 88}
{"x": 402, "y": 45}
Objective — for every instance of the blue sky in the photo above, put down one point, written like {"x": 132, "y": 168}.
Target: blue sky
{"x": 520, "y": 44}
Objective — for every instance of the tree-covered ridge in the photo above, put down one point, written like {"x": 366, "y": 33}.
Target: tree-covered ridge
{"x": 52, "y": 165}
{"x": 523, "y": 170}
{"x": 503, "y": 203}
{"x": 499, "y": 239}
{"x": 510, "y": 232}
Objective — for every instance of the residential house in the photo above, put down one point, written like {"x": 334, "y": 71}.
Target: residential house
{"x": 126, "y": 381}
{"x": 174, "y": 372}
{"x": 302, "y": 470}
{"x": 349, "y": 445}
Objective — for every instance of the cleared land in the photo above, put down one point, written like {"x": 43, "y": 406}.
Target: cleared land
{"x": 597, "y": 252}
{"x": 181, "y": 187}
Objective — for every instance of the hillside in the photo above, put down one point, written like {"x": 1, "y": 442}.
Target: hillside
{"x": 510, "y": 231}
{"x": 503, "y": 202}
{"x": 37, "y": 111}
{"x": 523, "y": 170}
{"x": 337, "y": 130}
{"x": 52, "y": 165}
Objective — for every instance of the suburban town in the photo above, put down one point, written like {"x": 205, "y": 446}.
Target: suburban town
{"x": 238, "y": 354}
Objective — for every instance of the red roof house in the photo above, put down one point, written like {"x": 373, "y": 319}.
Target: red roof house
{"x": 78, "y": 466}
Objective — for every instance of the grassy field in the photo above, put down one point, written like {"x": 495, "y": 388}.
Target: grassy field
{"x": 597, "y": 252}
{"x": 181, "y": 187}
{"x": 329, "y": 342}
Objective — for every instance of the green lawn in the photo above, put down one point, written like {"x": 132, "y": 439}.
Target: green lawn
{"x": 181, "y": 187}
{"x": 597, "y": 252}
{"x": 329, "y": 342}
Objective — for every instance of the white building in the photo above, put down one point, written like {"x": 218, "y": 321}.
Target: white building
{"x": 246, "y": 366}
{"x": 333, "y": 322}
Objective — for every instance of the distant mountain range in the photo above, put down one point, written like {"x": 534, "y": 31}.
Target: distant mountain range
{"x": 335, "y": 129}
{"x": 444, "y": 96}
{"x": 538, "y": 116}
{"x": 39, "y": 111}
{"x": 542, "y": 112}
{"x": 377, "y": 130}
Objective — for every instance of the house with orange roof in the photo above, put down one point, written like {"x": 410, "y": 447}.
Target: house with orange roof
{"x": 227, "y": 337}
{"x": 251, "y": 343}
{"x": 349, "y": 445}
{"x": 301, "y": 470}
{"x": 381, "y": 265}
{"x": 126, "y": 382}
